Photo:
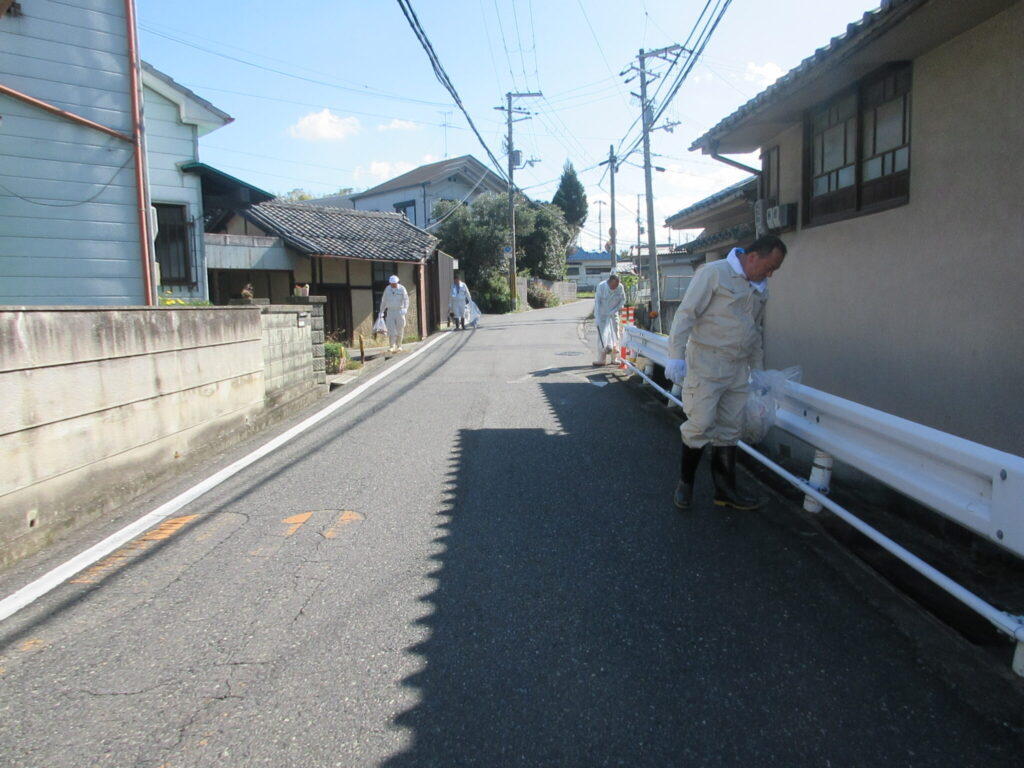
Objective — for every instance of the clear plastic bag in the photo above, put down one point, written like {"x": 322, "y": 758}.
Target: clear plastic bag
{"x": 767, "y": 389}
{"x": 474, "y": 314}
{"x": 607, "y": 333}
{"x": 380, "y": 326}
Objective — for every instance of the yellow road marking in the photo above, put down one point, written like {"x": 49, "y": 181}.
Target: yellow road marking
{"x": 296, "y": 522}
{"x": 132, "y": 549}
{"x": 347, "y": 517}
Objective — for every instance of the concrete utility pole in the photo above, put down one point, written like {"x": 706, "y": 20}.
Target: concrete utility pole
{"x": 612, "y": 167}
{"x": 513, "y": 163}
{"x": 647, "y": 114}
{"x": 600, "y": 230}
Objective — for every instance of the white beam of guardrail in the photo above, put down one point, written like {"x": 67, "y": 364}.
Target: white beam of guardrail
{"x": 965, "y": 480}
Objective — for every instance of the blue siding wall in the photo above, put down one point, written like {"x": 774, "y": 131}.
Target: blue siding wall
{"x": 68, "y": 218}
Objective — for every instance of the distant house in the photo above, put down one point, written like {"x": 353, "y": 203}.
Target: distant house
{"x": 73, "y": 203}
{"x": 417, "y": 192}
{"x": 175, "y": 118}
{"x": 588, "y": 268}
{"x": 726, "y": 219}
{"x": 892, "y": 166}
{"x": 342, "y": 254}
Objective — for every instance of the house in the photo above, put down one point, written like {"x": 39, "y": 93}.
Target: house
{"x": 74, "y": 227}
{"x": 342, "y": 254}
{"x": 588, "y": 268}
{"x": 726, "y": 219}
{"x": 416, "y": 192}
{"x": 175, "y": 119}
{"x": 892, "y": 167}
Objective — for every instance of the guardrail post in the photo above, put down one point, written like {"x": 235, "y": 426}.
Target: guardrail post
{"x": 677, "y": 392}
{"x": 821, "y": 476}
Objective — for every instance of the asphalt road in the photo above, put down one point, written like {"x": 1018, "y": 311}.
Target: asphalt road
{"x": 475, "y": 563}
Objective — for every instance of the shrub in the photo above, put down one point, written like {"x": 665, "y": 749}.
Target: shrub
{"x": 493, "y": 296}
{"x": 334, "y": 353}
{"x": 538, "y": 297}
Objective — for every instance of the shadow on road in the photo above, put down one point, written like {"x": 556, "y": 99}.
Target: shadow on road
{"x": 578, "y": 619}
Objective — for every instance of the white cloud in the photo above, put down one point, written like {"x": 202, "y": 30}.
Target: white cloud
{"x": 381, "y": 170}
{"x": 398, "y": 125}
{"x": 763, "y": 74}
{"x": 324, "y": 126}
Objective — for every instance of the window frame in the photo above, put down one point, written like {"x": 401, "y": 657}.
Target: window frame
{"x": 185, "y": 225}
{"x": 403, "y": 207}
{"x": 862, "y": 197}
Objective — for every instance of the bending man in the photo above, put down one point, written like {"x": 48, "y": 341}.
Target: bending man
{"x": 609, "y": 298}
{"x": 395, "y": 303}
{"x": 716, "y": 339}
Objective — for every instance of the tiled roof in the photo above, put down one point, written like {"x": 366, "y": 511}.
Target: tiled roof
{"x": 466, "y": 164}
{"x": 340, "y": 232}
{"x": 729, "y": 234}
{"x": 857, "y": 33}
{"x": 738, "y": 190}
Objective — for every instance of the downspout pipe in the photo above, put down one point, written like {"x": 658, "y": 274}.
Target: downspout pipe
{"x": 714, "y": 154}
{"x": 421, "y": 298}
{"x": 138, "y": 139}
{"x": 71, "y": 116}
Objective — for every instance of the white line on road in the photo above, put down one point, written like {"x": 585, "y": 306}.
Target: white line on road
{"x": 32, "y": 592}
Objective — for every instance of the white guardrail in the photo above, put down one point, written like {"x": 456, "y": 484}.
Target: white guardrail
{"x": 974, "y": 485}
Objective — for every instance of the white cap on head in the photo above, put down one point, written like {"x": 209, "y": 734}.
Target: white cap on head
{"x": 393, "y": 279}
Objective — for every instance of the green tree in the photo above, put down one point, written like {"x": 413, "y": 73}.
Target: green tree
{"x": 571, "y": 198}
{"x": 477, "y": 235}
{"x": 296, "y": 195}
{"x": 545, "y": 246}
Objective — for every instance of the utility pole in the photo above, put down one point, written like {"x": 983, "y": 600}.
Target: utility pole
{"x": 639, "y": 231}
{"x": 647, "y": 113}
{"x": 600, "y": 230}
{"x": 514, "y": 161}
{"x": 446, "y": 125}
{"x": 612, "y": 163}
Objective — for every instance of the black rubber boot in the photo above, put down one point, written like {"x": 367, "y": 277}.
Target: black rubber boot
{"x": 723, "y": 472}
{"x": 683, "y": 496}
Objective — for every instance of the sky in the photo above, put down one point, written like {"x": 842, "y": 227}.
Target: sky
{"x": 329, "y": 94}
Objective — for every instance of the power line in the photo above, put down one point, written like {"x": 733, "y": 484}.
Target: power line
{"x": 443, "y": 78}
{"x": 365, "y": 90}
{"x": 598, "y": 43}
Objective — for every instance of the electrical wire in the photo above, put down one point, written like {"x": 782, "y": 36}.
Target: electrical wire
{"x": 442, "y": 76}
{"x": 75, "y": 203}
{"x": 365, "y": 91}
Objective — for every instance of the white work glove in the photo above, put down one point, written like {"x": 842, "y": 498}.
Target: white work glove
{"x": 675, "y": 371}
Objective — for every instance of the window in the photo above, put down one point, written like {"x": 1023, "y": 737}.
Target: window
{"x": 173, "y": 245}
{"x": 859, "y": 148}
{"x": 408, "y": 208}
{"x": 572, "y": 271}
{"x": 596, "y": 270}
{"x": 381, "y": 271}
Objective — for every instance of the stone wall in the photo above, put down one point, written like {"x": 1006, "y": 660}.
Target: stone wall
{"x": 96, "y": 404}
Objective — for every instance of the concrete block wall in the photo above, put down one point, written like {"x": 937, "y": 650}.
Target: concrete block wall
{"x": 287, "y": 348}
{"x": 98, "y": 404}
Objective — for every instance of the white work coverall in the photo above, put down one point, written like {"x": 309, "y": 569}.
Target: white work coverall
{"x": 607, "y": 303}
{"x": 458, "y": 303}
{"x": 396, "y": 303}
{"x": 718, "y": 331}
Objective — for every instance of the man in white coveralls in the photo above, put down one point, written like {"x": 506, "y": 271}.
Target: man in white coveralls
{"x": 395, "y": 303}
{"x": 716, "y": 339}
{"x": 458, "y": 303}
{"x": 609, "y": 298}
